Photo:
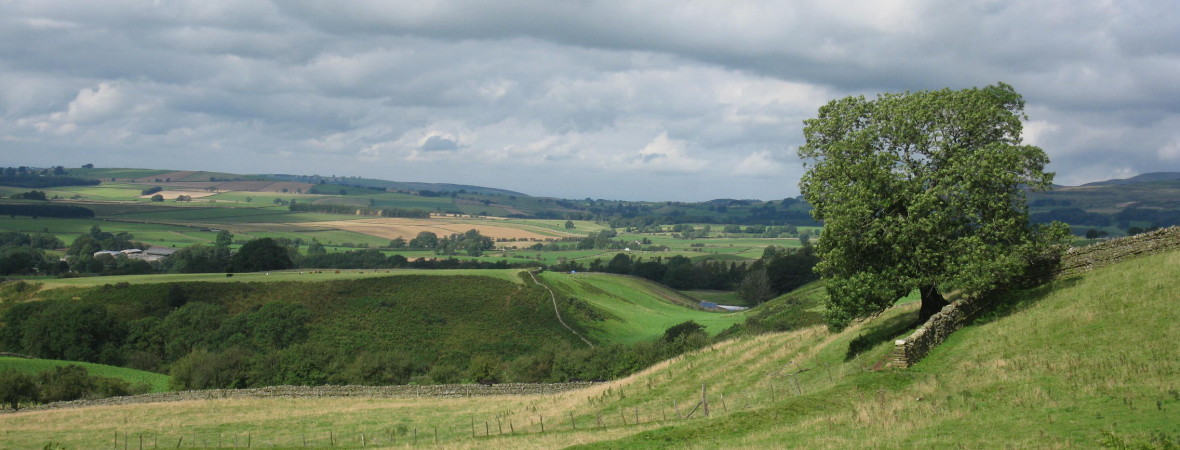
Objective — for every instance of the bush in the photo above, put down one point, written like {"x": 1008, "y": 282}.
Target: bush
{"x": 17, "y": 388}
{"x": 484, "y": 369}
{"x": 202, "y": 369}
{"x": 379, "y": 369}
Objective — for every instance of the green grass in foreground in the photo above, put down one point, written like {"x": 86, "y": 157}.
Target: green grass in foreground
{"x": 1084, "y": 362}
{"x": 158, "y": 382}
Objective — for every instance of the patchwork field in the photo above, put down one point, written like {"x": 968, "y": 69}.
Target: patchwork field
{"x": 390, "y": 228}
{"x": 173, "y": 194}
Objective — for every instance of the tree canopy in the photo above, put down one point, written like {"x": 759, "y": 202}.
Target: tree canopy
{"x": 921, "y": 191}
{"x": 261, "y": 254}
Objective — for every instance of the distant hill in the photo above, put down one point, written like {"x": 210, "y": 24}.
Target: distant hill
{"x": 1113, "y": 207}
{"x": 1144, "y": 178}
{"x": 1146, "y": 201}
{"x": 408, "y": 186}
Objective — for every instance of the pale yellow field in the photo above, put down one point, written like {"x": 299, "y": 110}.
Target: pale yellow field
{"x": 390, "y": 228}
{"x": 171, "y": 195}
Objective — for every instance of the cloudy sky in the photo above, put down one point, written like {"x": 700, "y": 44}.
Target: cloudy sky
{"x": 653, "y": 100}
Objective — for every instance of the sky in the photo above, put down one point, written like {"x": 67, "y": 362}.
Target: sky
{"x": 682, "y": 100}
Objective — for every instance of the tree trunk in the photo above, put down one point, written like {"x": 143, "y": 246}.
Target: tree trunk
{"x": 932, "y": 302}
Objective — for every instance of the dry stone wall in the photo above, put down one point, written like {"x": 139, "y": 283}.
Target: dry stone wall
{"x": 951, "y": 318}
{"x": 403, "y": 391}
{"x": 1084, "y": 259}
{"x": 908, "y": 351}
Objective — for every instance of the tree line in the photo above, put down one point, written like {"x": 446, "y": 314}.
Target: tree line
{"x": 24, "y": 253}
{"x": 777, "y": 271}
{"x": 45, "y": 210}
{"x": 42, "y": 178}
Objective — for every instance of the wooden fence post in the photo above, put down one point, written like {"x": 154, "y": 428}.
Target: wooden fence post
{"x": 705, "y": 399}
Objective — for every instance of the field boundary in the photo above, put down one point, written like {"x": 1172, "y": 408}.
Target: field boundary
{"x": 399, "y": 391}
{"x": 1084, "y": 259}
{"x": 952, "y": 317}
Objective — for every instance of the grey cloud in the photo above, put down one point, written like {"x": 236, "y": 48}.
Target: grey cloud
{"x": 298, "y": 85}
{"x": 438, "y": 143}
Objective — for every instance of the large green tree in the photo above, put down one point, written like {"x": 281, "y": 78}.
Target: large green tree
{"x": 261, "y": 254}
{"x": 921, "y": 191}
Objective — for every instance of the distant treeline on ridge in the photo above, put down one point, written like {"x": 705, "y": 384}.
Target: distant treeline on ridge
{"x": 37, "y": 181}
{"x": 360, "y": 211}
{"x": 44, "y": 210}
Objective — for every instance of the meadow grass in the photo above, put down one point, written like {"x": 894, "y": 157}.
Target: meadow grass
{"x": 718, "y": 297}
{"x": 262, "y": 199}
{"x": 69, "y": 229}
{"x": 158, "y": 382}
{"x": 636, "y": 309}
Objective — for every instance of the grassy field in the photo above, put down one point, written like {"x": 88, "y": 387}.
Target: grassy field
{"x": 1084, "y": 362}
{"x": 638, "y": 310}
{"x": 158, "y": 382}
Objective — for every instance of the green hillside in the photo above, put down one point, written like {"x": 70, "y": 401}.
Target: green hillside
{"x": 158, "y": 382}
{"x": 1083, "y": 362}
{"x": 431, "y": 316}
{"x": 633, "y": 309}
{"x": 354, "y": 326}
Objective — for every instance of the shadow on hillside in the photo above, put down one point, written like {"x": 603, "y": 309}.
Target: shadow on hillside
{"x": 1013, "y": 302}
{"x": 879, "y": 332}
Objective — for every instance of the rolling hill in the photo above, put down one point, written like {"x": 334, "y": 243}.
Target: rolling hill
{"x": 1085, "y": 361}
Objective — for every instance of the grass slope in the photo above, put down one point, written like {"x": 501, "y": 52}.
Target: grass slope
{"x": 634, "y": 309}
{"x": 158, "y": 382}
{"x": 1083, "y": 362}
{"x": 432, "y": 316}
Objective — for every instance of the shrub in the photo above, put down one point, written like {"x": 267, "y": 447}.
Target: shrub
{"x": 17, "y": 388}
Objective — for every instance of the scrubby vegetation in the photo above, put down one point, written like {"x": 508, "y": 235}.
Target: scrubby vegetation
{"x": 61, "y": 383}
{"x": 388, "y": 330}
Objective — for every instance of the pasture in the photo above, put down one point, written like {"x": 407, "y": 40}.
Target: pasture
{"x": 636, "y": 309}
{"x": 158, "y": 382}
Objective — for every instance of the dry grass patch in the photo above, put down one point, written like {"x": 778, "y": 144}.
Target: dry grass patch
{"x": 172, "y": 195}
{"x": 391, "y": 228}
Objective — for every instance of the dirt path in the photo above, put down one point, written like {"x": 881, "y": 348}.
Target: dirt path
{"x": 558, "y": 312}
